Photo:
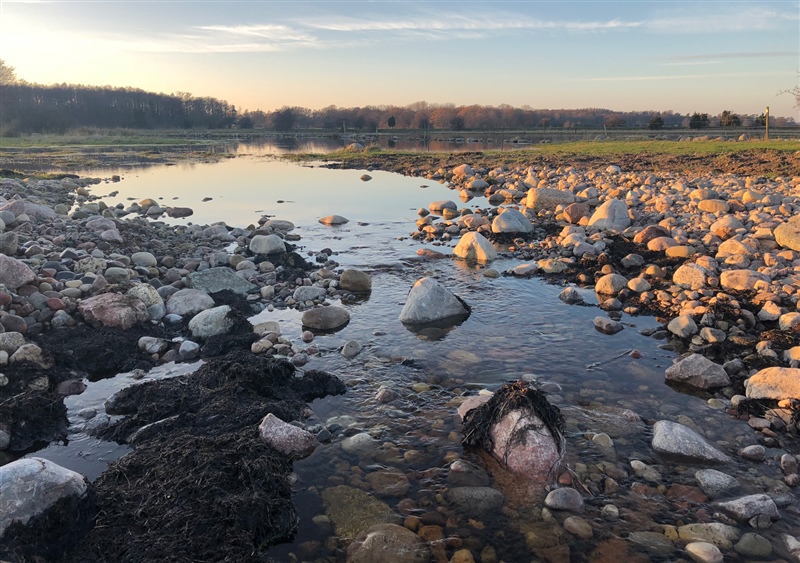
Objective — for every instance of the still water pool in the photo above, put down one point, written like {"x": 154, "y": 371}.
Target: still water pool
{"x": 518, "y": 329}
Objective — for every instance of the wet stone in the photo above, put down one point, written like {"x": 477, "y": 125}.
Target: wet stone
{"x": 564, "y": 499}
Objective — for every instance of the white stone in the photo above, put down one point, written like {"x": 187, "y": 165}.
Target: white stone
{"x": 474, "y": 247}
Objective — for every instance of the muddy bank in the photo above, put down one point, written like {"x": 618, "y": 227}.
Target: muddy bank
{"x": 747, "y": 163}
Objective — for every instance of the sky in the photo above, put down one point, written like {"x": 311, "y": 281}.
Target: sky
{"x": 263, "y": 54}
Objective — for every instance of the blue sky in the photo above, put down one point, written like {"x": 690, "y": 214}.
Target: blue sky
{"x": 683, "y": 56}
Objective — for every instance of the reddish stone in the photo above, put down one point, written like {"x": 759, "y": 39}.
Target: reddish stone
{"x": 616, "y": 551}
{"x": 686, "y": 492}
{"x": 5, "y": 299}
{"x": 54, "y": 304}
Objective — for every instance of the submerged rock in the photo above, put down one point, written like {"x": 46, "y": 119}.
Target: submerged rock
{"x": 699, "y": 372}
{"x": 325, "y": 318}
{"x": 388, "y": 543}
{"x": 682, "y": 442}
{"x": 520, "y": 429}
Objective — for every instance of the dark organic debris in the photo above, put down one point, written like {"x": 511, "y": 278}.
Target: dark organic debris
{"x": 201, "y": 485}
{"x": 518, "y": 395}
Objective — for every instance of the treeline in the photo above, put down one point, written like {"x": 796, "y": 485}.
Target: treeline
{"x": 422, "y": 115}
{"x": 34, "y": 108}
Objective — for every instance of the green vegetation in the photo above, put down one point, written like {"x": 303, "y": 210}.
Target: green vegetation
{"x": 608, "y": 149}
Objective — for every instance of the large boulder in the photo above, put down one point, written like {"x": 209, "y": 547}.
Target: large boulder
{"x": 511, "y": 221}
{"x": 519, "y": 428}
{"x": 787, "y": 235}
{"x": 388, "y": 543}
{"x": 113, "y": 310}
{"x": 690, "y": 276}
{"x": 34, "y": 211}
{"x": 610, "y": 284}
{"x": 611, "y": 216}
{"x": 33, "y": 485}
{"x": 547, "y": 199}
{"x": 325, "y": 318}
{"x": 14, "y": 273}
{"x": 741, "y": 280}
{"x": 474, "y": 247}
{"x": 189, "y": 302}
{"x": 267, "y": 244}
{"x": 699, "y": 372}
{"x": 679, "y": 441}
{"x": 429, "y": 301}
{"x": 355, "y": 281}
{"x": 774, "y": 383}
{"x": 334, "y": 220}
{"x": 212, "y": 322}
{"x": 216, "y": 280}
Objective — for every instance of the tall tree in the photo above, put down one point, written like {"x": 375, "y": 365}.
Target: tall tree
{"x": 7, "y": 74}
{"x": 698, "y": 120}
{"x": 656, "y": 123}
{"x": 728, "y": 119}
{"x": 392, "y": 121}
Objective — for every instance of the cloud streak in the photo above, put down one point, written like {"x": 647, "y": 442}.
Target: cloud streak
{"x": 680, "y": 77}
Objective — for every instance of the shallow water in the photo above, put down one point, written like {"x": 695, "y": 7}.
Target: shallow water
{"x": 518, "y": 329}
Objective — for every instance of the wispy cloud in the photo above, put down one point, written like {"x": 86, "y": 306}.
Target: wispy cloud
{"x": 693, "y": 63}
{"x": 734, "y": 18}
{"x": 680, "y": 77}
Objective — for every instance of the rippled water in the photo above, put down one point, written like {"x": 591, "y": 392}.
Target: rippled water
{"x": 518, "y": 329}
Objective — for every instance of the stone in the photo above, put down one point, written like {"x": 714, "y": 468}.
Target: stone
{"x": 697, "y": 371}
{"x": 612, "y": 215}
{"x": 179, "y": 212}
{"x": 474, "y": 247}
{"x": 682, "y": 326}
{"x": 309, "y": 293}
{"x": 388, "y": 543}
{"x": 333, "y": 220}
{"x": 146, "y": 293}
{"x": 325, "y": 318}
{"x": 610, "y": 284}
{"x": 355, "y": 281}
{"x": 388, "y": 482}
{"x": 570, "y": 296}
{"x": 188, "y": 302}
{"x": 10, "y": 341}
{"x": 361, "y": 445}
{"x": 113, "y": 310}
{"x": 144, "y": 259}
{"x": 564, "y": 499}
{"x": 429, "y": 301}
{"x": 212, "y": 322}
{"x": 33, "y": 485}
{"x": 690, "y": 276}
{"x": 744, "y": 508}
{"x": 219, "y": 279}
{"x": 351, "y": 349}
{"x": 288, "y": 439}
{"x": 352, "y": 511}
{"x": 776, "y": 383}
{"x": 787, "y": 235}
{"x": 511, "y": 221}
{"x": 464, "y": 474}
{"x": 188, "y": 350}
{"x": 441, "y": 205}
{"x": 476, "y": 501}
{"x": 267, "y": 244}
{"x": 607, "y": 325}
{"x": 547, "y": 199}
{"x": 649, "y": 233}
{"x": 703, "y": 552}
{"x": 9, "y": 243}
{"x": 14, "y": 273}
{"x": 117, "y": 275}
{"x": 525, "y": 446}
{"x": 152, "y": 345}
{"x": 741, "y": 280}
{"x": 574, "y": 212}
{"x": 713, "y": 206}
{"x": 715, "y": 483}
{"x": 753, "y": 545}
{"x": 31, "y": 353}
{"x": 721, "y": 535}
{"x": 578, "y": 526}
{"x": 677, "y": 440}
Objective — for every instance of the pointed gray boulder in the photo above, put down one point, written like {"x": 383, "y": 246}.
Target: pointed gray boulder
{"x": 429, "y": 301}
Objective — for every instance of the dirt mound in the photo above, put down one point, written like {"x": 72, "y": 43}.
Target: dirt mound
{"x": 201, "y": 485}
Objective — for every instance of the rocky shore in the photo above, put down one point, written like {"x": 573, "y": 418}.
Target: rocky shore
{"x": 89, "y": 291}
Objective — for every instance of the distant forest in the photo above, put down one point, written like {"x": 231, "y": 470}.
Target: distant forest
{"x": 34, "y": 108}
